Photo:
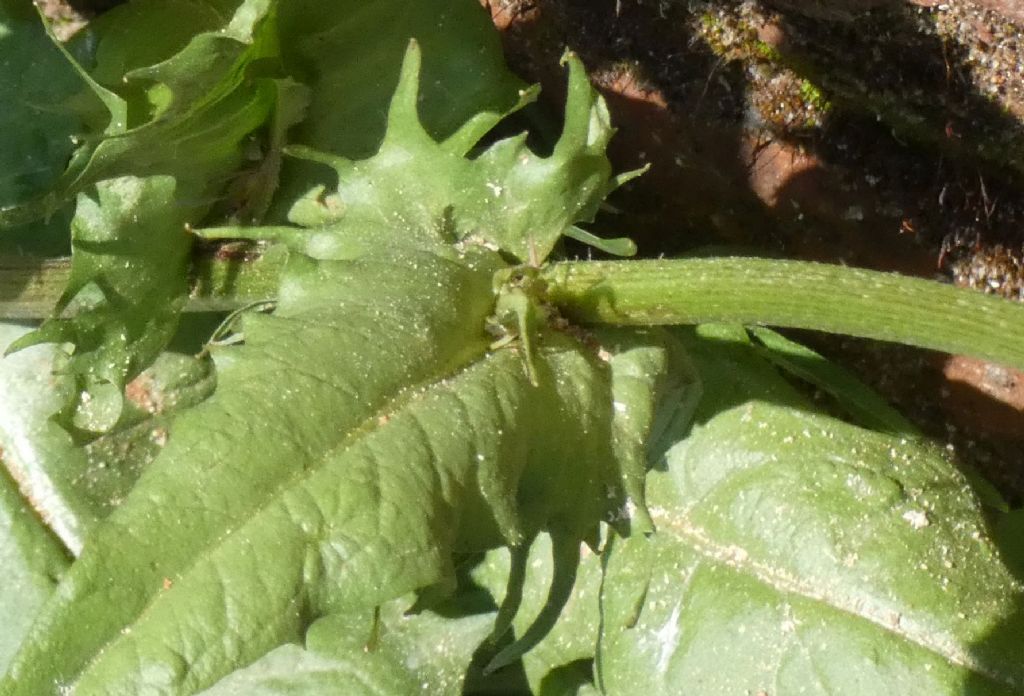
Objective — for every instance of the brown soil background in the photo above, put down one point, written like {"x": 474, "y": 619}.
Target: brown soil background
{"x": 874, "y": 133}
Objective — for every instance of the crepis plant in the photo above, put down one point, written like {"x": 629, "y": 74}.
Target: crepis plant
{"x": 439, "y": 459}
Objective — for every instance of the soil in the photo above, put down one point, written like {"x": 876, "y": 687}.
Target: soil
{"x": 875, "y": 133}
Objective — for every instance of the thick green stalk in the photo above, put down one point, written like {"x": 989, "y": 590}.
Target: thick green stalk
{"x": 794, "y": 294}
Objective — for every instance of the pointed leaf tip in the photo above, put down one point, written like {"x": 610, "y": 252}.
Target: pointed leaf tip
{"x": 619, "y": 246}
{"x": 404, "y": 110}
{"x": 506, "y": 196}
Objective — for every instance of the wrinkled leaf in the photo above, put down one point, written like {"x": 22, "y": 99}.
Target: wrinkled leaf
{"x": 129, "y": 271}
{"x": 426, "y": 652}
{"x": 430, "y": 650}
{"x": 809, "y": 556}
{"x": 506, "y": 196}
{"x": 359, "y": 436}
{"x": 315, "y": 409}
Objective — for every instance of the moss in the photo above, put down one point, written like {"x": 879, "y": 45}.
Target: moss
{"x": 767, "y": 52}
{"x": 814, "y": 96}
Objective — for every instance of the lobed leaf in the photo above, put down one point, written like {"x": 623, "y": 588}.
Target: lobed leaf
{"x": 178, "y": 127}
{"x": 333, "y": 47}
{"x": 359, "y": 437}
{"x": 505, "y": 196}
{"x": 201, "y": 103}
{"x": 132, "y": 286}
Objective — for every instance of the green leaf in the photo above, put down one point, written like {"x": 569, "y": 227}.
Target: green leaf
{"x": 506, "y": 196}
{"x": 38, "y": 454}
{"x": 330, "y": 470}
{"x": 396, "y": 653}
{"x": 292, "y": 670}
{"x": 173, "y": 383}
{"x": 573, "y": 638}
{"x": 35, "y": 81}
{"x": 655, "y": 388}
{"x": 130, "y": 247}
{"x": 129, "y": 271}
{"x": 1009, "y": 531}
{"x": 252, "y": 190}
{"x": 71, "y": 488}
{"x": 809, "y": 556}
{"x": 430, "y": 650}
{"x": 860, "y": 401}
{"x": 333, "y": 47}
{"x": 31, "y": 555}
{"x": 866, "y": 407}
{"x": 51, "y": 492}
{"x": 37, "y": 127}
{"x": 135, "y": 35}
{"x": 203, "y": 102}
{"x": 33, "y": 560}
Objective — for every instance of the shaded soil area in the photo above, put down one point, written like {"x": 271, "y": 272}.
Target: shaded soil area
{"x": 874, "y": 133}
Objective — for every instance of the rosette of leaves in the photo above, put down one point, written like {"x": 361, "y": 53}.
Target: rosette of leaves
{"x": 381, "y": 427}
{"x": 407, "y": 466}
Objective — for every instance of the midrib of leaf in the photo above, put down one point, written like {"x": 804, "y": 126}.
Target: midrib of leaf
{"x": 374, "y": 421}
{"x": 450, "y": 341}
{"x": 732, "y": 557}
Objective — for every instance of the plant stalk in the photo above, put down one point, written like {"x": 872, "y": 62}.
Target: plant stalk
{"x": 792, "y": 294}
{"x": 749, "y": 291}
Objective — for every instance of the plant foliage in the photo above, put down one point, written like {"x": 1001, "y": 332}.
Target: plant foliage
{"x": 407, "y": 471}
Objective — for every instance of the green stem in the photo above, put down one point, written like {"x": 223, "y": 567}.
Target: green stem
{"x": 792, "y": 294}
